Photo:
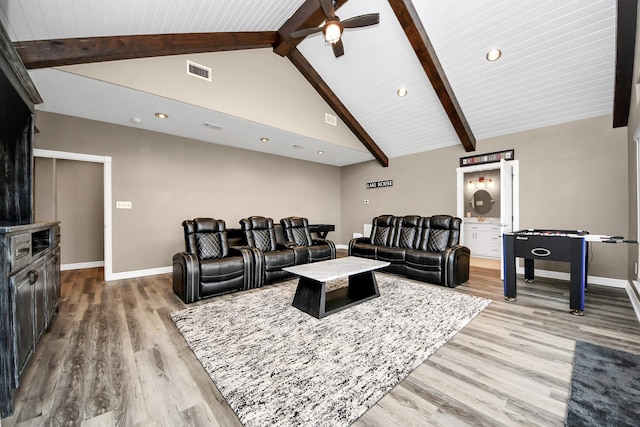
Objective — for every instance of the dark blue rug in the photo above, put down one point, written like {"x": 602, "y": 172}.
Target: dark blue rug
{"x": 605, "y": 387}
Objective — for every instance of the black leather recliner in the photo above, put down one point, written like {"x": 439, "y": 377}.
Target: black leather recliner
{"x": 422, "y": 248}
{"x": 209, "y": 266}
{"x": 404, "y": 236}
{"x": 296, "y": 230}
{"x": 270, "y": 257}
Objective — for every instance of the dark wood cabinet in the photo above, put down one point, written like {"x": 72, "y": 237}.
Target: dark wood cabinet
{"x": 53, "y": 282}
{"x": 22, "y": 322}
{"x": 29, "y": 297}
{"x": 26, "y": 302}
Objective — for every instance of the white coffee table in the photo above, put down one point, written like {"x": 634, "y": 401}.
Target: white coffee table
{"x": 311, "y": 295}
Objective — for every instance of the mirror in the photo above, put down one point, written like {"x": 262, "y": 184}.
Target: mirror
{"x": 481, "y": 202}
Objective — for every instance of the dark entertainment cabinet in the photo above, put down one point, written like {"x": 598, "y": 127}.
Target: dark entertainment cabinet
{"x": 29, "y": 253}
{"x": 29, "y": 296}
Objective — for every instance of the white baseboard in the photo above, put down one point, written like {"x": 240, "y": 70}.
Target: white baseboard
{"x": 138, "y": 273}
{"x": 633, "y": 296}
{"x": 81, "y": 265}
{"x": 342, "y": 246}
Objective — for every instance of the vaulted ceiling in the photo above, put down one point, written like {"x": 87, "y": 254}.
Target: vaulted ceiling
{"x": 121, "y": 62}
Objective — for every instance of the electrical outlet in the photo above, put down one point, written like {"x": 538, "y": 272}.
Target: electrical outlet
{"x": 123, "y": 205}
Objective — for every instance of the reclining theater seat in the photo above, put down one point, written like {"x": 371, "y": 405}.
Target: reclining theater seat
{"x": 382, "y": 234}
{"x": 439, "y": 259}
{"x": 270, "y": 257}
{"x": 296, "y": 230}
{"x": 406, "y": 236}
{"x": 209, "y": 266}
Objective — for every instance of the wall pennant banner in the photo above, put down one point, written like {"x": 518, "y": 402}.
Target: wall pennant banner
{"x": 487, "y": 158}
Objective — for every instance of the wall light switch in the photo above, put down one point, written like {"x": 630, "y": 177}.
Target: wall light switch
{"x": 123, "y": 205}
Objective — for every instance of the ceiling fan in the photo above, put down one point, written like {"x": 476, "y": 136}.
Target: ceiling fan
{"x": 333, "y": 27}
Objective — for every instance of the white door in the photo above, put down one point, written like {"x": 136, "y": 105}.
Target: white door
{"x": 506, "y": 205}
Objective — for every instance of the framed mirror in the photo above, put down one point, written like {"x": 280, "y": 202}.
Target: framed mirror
{"x": 481, "y": 202}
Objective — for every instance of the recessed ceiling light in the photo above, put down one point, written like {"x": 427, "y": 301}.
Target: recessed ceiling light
{"x": 493, "y": 55}
{"x": 136, "y": 120}
{"x": 264, "y": 139}
{"x": 320, "y": 152}
{"x": 402, "y": 92}
{"x": 162, "y": 115}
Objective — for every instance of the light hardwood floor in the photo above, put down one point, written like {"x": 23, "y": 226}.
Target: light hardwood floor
{"x": 114, "y": 357}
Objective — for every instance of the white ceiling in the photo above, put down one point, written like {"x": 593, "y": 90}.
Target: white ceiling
{"x": 558, "y": 65}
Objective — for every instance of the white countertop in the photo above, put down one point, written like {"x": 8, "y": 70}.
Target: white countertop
{"x": 333, "y": 269}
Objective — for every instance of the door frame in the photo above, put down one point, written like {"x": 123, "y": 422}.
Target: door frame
{"x": 515, "y": 196}
{"x": 108, "y": 225}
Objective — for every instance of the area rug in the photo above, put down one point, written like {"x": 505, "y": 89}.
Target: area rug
{"x": 276, "y": 365}
{"x": 605, "y": 387}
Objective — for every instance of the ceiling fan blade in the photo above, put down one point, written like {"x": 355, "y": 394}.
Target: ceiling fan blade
{"x": 338, "y": 48}
{"x": 305, "y": 32}
{"x": 361, "y": 21}
{"x": 327, "y": 8}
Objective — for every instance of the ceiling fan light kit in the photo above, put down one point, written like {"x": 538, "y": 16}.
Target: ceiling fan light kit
{"x": 333, "y": 27}
{"x": 332, "y": 31}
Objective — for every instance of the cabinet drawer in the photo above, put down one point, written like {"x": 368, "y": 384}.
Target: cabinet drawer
{"x": 20, "y": 251}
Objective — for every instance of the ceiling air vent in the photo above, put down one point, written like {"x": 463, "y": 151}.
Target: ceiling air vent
{"x": 212, "y": 126}
{"x": 199, "y": 71}
{"x": 330, "y": 119}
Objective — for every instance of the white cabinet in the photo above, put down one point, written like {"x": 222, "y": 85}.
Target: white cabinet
{"x": 482, "y": 239}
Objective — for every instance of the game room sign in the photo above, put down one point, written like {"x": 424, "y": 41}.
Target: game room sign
{"x": 380, "y": 184}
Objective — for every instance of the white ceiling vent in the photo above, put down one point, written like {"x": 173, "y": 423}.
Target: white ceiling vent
{"x": 199, "y": 71}
{"x": 330, "y": 119}
{"x": 212, "y": 126}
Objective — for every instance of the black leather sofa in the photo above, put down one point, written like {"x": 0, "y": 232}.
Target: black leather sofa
{"x": 422, "y": 248}
{"x": 218, "y": 260}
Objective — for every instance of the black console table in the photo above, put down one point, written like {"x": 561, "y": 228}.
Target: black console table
{"x": 321, "y": 229}
{"x": 553, "y": 245}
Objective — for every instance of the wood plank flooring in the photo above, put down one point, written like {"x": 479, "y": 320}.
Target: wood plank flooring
{"x": 114, "y": 357}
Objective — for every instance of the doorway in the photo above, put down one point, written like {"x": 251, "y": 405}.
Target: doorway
{"x": 106, "y": 195}
{"x": 507, "y": 202}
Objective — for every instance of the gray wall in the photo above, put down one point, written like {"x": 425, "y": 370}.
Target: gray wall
{"x": 169, "y": 179}
{"x": 72, "y": 192}
{"x": 572, "y": 176}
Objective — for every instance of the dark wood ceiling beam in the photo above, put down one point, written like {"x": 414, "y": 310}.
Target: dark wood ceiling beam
{"x": 417, "y": 35}
{"x": 625, "y": 47}
{"x": 54, "y": 53}
{"x": 312, "y": 76}
{"x": 308, "y": 15}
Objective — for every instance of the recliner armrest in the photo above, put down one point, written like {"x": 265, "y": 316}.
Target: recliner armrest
{"x": 186, "y": 276}
{"x": 356, "y": 240}
{"x": 250, "y": 261}
{"x": 456, "y": 265}
{"x": 327, "y": 242}
{"x": 286, "y": 245}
